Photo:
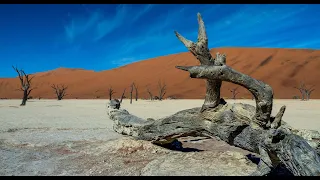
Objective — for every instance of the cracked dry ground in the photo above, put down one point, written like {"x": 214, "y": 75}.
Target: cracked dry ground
{"x": 48, "y": 151}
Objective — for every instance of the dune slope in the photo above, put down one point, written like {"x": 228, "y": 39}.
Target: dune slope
{"x": 281, "y": 68}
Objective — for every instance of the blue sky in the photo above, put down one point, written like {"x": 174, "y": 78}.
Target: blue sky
{"x": 99, "y": 37}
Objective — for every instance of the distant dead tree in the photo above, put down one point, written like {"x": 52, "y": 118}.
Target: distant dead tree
{"x": 110, "y": 92}
{"x": 162, "y": 89}
{"x": 25, "y": 81}
{"x": 60, "y": 91}
{"x": 150, "y": 94}
{"x": 131, "y": 90}
{"x": 308, "y": 92}
{"x": 122, "y": 95}
{"x": 136, "y": 89}
{"x": 305, "y": 91}
{"x": 234, "y": 92}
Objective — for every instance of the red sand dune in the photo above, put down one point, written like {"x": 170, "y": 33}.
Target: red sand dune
{"x": 281, "y": 68}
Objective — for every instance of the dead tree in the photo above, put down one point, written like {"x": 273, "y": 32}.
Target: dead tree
{"x": 122, "y": 96}
{"x": 150, "y": 94}
{"x": 25, "y": 81}
{"x": 305, "y": 91}
{"x": 60, "y": 91}
{"x": 242, "y": 125}
{"x": 162, "y": 90}
{"x": 308, "y": 92}
{"x": 110, "y": 92}
{"x": 131, "y": 91}
{"x": 234, "y": 92}
{"x": 136, "y": 89}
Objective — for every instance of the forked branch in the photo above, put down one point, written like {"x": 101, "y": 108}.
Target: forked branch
{"x": 24, "y": 78}
{"x": 25, "y": 81}
{"x": 201, "y": 51}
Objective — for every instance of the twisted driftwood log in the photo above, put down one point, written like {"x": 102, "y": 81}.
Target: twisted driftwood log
{"x": 245, "y": 126}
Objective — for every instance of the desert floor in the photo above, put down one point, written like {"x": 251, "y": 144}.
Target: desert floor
{"x": 75, "y": 137}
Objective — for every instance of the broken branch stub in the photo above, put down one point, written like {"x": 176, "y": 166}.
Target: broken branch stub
{"x": 201, "y": 51}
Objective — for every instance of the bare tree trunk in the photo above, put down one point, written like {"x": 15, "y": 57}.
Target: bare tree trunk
{"x": 302, "y": 95}
{"x": 136, "y": 89}
{"x": 308, "y": 92}
{"x": 162, "y": 90}
{"x": 150, "y": 94}
{"x": 132, "y": 85}
{"x": 24, "y": 98}
{"x": 124, "y": 91}
{"x": 111, "y": 92}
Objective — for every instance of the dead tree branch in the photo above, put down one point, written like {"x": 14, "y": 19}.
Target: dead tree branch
{"x": 136, "y": 89}
{"x": 162, "y": 89}
{"x": 60, "y": 91}
{"x": 25, "y": 82}
{"x": 242, "y": 125}
{"x": 201, "y": 51}
{"x": 262, "y": 92}
{"x": 110, "y": 92}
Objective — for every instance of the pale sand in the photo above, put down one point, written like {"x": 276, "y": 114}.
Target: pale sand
{"x": 75, "y": 137}
{"x": 84, "y": 114}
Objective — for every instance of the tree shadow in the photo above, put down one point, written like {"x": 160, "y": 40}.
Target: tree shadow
{"x": 279, "y": 170}
{"x": 177, "y": 146}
